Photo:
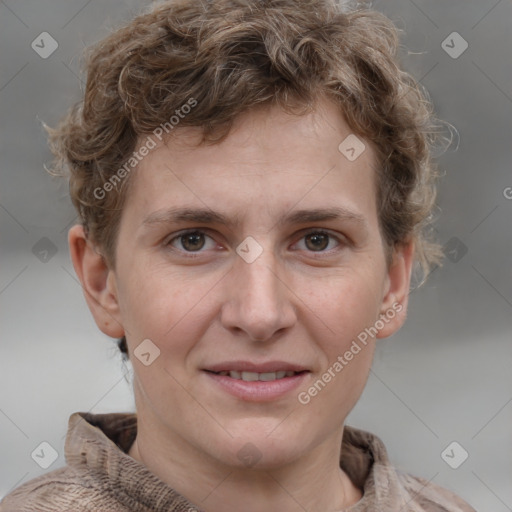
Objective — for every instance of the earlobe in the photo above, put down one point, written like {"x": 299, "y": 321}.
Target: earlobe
{"x": 98, "y": 282}
{"x": 394, "y": 304}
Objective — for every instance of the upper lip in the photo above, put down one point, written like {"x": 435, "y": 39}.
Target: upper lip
{"x": 248, "y": 366}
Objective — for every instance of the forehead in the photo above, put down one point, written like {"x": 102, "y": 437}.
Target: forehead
{"x": 270, "y": 158}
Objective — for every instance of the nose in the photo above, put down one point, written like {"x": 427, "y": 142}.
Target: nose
{"x": 257, "y": 299}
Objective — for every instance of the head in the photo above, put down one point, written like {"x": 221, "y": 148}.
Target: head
{"x": 244, "y": 110}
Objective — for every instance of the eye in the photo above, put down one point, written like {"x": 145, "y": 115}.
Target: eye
{"x": 319, "y": 241}
{"x": 195, "y": 240}
{"x": 191, "y": 241}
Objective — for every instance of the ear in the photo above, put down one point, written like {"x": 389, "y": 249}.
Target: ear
{"x": 396, "y": 292}
{"x": 98, "y": 282}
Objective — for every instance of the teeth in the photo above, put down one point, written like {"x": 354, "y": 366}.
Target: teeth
{"x": 250, "y": 376}
{"x": 253, "y": 376}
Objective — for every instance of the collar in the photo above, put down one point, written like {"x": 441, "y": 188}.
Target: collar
{"x": 97, "y": 446}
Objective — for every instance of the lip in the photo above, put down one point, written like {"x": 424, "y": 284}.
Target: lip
{"x": 249, "y": 366}
{"x": 257, "y": 391}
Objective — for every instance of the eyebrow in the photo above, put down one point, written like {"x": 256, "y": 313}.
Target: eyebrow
{"x": 208, "y": 216}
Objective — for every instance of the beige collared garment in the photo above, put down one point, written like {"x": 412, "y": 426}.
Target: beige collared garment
{"x": 100, "y": 476}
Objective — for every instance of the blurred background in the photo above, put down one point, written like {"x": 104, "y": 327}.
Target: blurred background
{"x": 444, "y": 378}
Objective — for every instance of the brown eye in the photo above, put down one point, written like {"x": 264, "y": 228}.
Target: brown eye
{"x": 317, "y": 241}
{"x": 192, "y": 241}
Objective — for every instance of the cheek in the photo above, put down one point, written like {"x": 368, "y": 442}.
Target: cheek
{"x": 164, "y": 306}
{"x": 347, "y": 309}
{"x": 345, "y": 305}
{"x": 173, "y": 312}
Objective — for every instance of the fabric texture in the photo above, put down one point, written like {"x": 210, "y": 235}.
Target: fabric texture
{"x": 100, "y": 476}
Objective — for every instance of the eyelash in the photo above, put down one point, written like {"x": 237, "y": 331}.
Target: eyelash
{"x": 196, "y": 254}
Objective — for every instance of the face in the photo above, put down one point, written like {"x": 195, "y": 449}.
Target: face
{"x": 259, "y": 255}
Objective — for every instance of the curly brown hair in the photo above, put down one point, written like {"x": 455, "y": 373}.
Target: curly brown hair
{"x": 230, "y": 56}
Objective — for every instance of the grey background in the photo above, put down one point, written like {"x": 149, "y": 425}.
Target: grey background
{"x": 446, "y": 376}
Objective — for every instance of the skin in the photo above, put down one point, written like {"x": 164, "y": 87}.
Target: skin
{"x": 297, "y": 302}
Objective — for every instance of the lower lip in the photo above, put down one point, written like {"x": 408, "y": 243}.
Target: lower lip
{"x": 258, "y": 391}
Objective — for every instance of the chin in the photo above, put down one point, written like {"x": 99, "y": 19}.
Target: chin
{"x": 263, "y": 444}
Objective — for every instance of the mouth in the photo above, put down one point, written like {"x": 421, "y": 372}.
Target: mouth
{"x": 257, "y": 382}
{"x": 255, "y": 376}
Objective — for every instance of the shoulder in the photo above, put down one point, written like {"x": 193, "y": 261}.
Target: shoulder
{"x": 387, "y": 487}
{"x": 61, "y": 490}
{"x": 431, "y": 497}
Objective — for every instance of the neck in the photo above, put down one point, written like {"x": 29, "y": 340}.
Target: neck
{"x": 314, "y": 481}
